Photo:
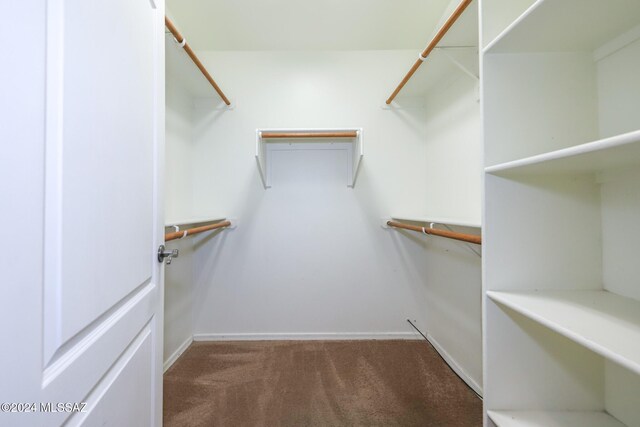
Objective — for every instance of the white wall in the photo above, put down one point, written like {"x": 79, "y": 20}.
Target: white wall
{"x": 618, "y": 94}
{"x": 299, "y": 264}
{"x": 309, "y": 255}
{"x": 178, "y": 312}
{"x": 179, "y": 142}
{"x": 620, "y": 197}
{"x": 453, "y": 190}
{"x": 619, "y": 88}
{"x": 453, "y": 151}
{"x": 178, "y": 303}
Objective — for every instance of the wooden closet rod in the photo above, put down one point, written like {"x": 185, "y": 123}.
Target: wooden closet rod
{"x": 180, "y": 39}
{"x": 434, "y": 42}
{"x": 470, "y": 238}
{"x": 347, "y": 134}
{"x": 190, "y": 231}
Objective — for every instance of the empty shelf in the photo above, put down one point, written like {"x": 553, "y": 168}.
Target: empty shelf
{"x": 616, "y": 152}
{"x": 568, "y": 25}
{"x": 603, "y": 322}
{"x": 553, "y": 419}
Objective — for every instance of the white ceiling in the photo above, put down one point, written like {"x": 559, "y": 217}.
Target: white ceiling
{"x": 307, "y": 25}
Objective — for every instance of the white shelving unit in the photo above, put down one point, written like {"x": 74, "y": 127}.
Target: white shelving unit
{"x": 561, "y": 64}
{"x": 561, "y": 113}
{"x": 353, "y": 146}
{"x": 568, "y": 26}
{"x": 497, "y": 15}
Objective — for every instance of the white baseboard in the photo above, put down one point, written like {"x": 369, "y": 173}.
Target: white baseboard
{"x": 345, "y": 336}
{"x": 174, "y": 356}
{"x": 455, "y": 366}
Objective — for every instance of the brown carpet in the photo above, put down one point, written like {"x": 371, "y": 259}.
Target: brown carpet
{"x": 316, "y": 383}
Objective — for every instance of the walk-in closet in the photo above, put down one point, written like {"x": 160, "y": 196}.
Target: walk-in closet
{"x": 320, "y": 213}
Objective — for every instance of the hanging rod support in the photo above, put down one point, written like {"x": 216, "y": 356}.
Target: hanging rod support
{"x": 470, "y": 238}
{"x": 182, "y": 43}
{"x": 458, "y": 64}
{"x": 196, "y": 230}
{"x": 432, "y": 45}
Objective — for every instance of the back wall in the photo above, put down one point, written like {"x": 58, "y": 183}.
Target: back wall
{"x": 309, "y": 257}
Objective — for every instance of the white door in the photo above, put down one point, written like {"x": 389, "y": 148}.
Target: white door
{"x": 81, "y": 309}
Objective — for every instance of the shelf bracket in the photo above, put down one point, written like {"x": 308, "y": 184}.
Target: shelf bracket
{"x": 459, "y": 64}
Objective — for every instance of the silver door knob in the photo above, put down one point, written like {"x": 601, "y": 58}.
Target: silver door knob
{"x": 169, "y": 255}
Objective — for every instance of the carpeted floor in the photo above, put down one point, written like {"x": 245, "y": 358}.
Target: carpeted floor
{"x": 316, "y": 383}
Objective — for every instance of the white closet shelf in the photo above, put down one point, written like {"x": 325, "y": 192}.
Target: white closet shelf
{"x": 610, "y": 153}
{"x": 436, "y": 220}
{"x": 322, "y": 139}
{"x": 605, "y": 323}
{"x": 564, "y": 26}
{"x": 197, "y": 220}
{"x": 553, "y": 419}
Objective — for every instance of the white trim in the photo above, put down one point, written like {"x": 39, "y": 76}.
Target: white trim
{"x": 312, "y": 336}
{"x": 455, "y": 366}
{"x": 176, "y": 354}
